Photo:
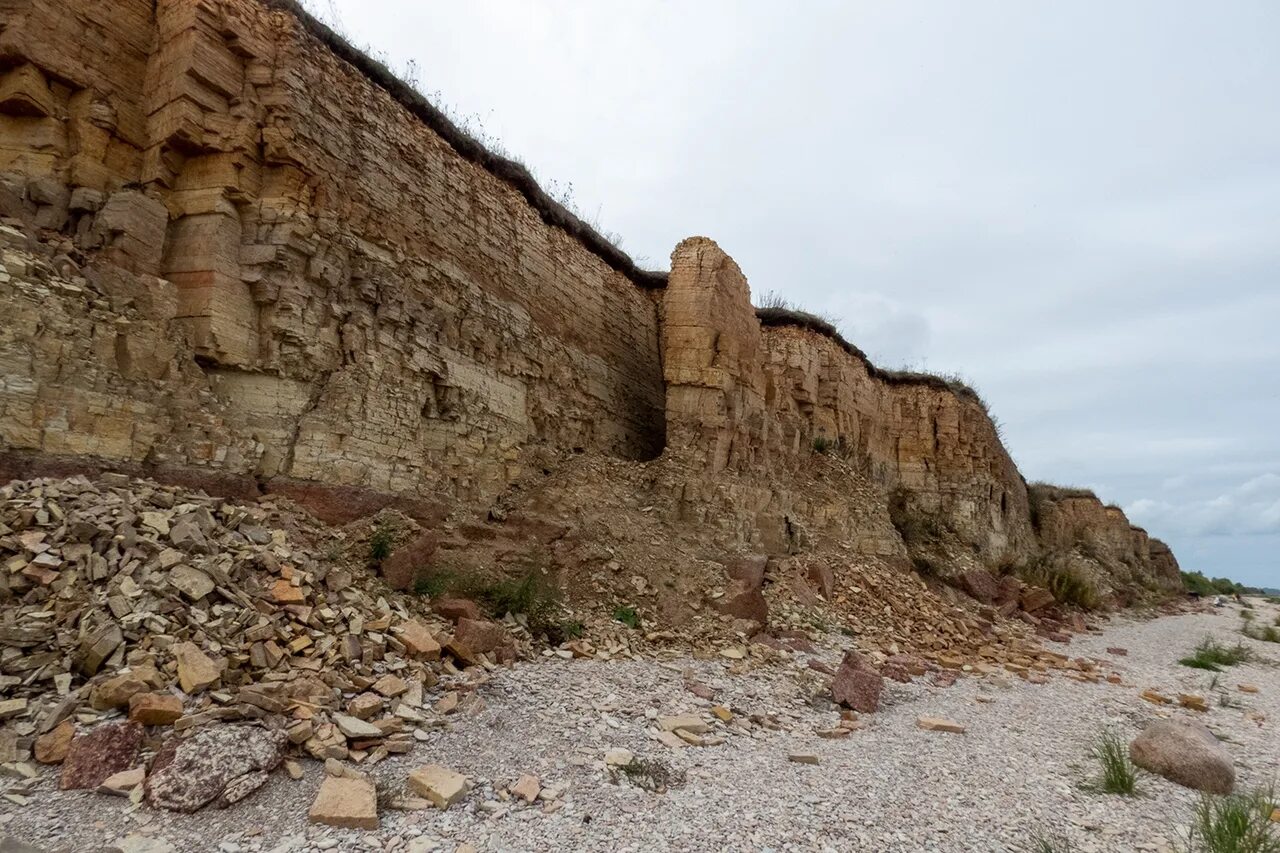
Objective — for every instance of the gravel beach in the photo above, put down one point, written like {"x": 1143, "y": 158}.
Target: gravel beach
{"x": 1022, "y": 766}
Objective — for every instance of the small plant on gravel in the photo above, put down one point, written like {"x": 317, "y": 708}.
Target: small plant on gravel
{"x": 572, "y": 629}
{"x": 1118, "y": 775}
{"x": 627, "y": 615}
{"x": 1212, "y": 655}
{"x": 1265, "y": 633}
{"x": 1041, "y": 843}
{"x": 381, "y": 542}
{"x": 652, "y": 774}
{"x": 1246, "y": 614}
{"x": 824, "y": 445}
{"x": 1239, "y": 823}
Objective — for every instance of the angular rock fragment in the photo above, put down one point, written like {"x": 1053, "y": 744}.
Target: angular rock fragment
{"x": 99, "y": 753}
{"x": 215, "y": 765}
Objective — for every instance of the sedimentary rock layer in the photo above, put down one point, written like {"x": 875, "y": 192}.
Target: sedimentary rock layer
{"x": 234, "y": 258}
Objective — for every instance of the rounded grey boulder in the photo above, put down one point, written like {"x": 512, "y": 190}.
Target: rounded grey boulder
{"x": 1185, "y": 752}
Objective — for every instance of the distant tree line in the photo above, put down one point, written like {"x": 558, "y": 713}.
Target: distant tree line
{"x": 1197, "y": 582}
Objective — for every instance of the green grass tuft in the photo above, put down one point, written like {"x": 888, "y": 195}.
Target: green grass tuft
{"x": 1118, "y": 775}
{"x": 1212, "y": 655}
{"x": 1265, "y": 633}
{"x": 381, "y": 543}
{"x": 627, "y": 615}
{"x": 1239, "y": 823}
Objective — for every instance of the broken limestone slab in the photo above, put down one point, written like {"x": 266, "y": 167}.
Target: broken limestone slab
{"x": 346, "y": 802}
{"x": 442, "y": 786}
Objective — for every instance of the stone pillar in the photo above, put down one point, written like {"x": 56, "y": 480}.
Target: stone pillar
{"x": 712, "y": 360}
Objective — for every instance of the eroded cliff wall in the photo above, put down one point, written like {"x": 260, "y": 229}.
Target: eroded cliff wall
{"x": 287, "y": 274}
{"x": 233, "y": 257}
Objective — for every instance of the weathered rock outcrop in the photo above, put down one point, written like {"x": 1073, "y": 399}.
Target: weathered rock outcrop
{"x": 237, "y": 255}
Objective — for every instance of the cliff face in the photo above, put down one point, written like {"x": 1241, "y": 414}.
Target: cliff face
{"x": 293, "y": 276}
{"x": 230, "y": 257}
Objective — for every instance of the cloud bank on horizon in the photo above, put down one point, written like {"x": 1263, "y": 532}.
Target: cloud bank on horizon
{"x": 1075, "y": 206}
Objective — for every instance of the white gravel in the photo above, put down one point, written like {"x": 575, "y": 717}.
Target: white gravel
{"x": 891, "y": 787}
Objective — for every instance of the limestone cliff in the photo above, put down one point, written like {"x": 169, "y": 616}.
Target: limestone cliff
{"x": 238, "y": 255}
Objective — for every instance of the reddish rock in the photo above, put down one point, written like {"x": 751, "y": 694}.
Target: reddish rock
{"x": 1036, "y": 597}
{"x": 474, "y": 637}
{"x": 155, "y": 709}
{"x": 51, "y": 747}
{"x": 822, "y": 578}
{"x": 856, "y": 685}
{"x": 821, "y": 666}
{"x": 744, "y": 596}
{"x": 981, "y": 584}
{"x": 454, "y": 609}
{"x": 1009, "y": 591}
{"x": 1117, "y": 651}
{"x": 102, "y": 752}
{"x": 222, "y": 764}
{"x": 409, "y": 562}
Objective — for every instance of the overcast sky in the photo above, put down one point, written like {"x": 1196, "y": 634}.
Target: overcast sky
{"x": 1074, "y": 205}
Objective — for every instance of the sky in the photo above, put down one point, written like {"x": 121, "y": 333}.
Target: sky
{"x": 1075, "y": 206}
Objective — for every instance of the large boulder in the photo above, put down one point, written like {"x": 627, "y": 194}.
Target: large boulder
{"x": 409, "y": 562}
{"x": 981, "y": 584}
{"x": 857, "y": 685}
{"x": 1185, "y": 752}
{"x": 221, "y": 764}
{"x": 744, "y": 595}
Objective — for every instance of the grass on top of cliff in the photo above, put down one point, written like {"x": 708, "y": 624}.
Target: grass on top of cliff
{"x": 773, "y": 309}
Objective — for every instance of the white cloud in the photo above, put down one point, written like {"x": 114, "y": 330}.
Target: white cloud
{"x": 1251, "y": 508}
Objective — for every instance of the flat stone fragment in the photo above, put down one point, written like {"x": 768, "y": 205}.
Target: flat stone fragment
{"x": 691, "y": 723}
{"x": 52, "y": 747}
{"x": 345, "y": 802}
{"x": 442, "y": 786}
{"x": 196, "y": 671}
{"x": 802, "y": 757}
{"x": 939, "y": 724}
{"x": 192, "y": 583}
{"x": 122, "y": 784}
{"x": 527, "y": 788}
{"x": 155, "y": 709}
{"x": 355, "y": 728}
{"x": 418, "y": 641}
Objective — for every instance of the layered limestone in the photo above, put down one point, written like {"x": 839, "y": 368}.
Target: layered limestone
{"x": 286, "y": 274}
{"x": 748, "y": 399}
{"x": 235, "y": 255}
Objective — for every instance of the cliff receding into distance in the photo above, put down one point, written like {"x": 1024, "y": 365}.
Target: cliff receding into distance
{"x": 239, "y": 255}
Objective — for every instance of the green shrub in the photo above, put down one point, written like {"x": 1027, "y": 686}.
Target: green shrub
{"x": 627, "y": 615}
{"x": 1239, "y": 823}
{"x": 1212, "y": 655}
{"x": 1246, "y": 613}
{"x": 381, "y": 543}
{"x": 1118, "y": 775}
{"x": 824, "y": 445}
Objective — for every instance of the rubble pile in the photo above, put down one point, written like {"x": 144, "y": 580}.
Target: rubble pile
{"x": 176, "y": 610}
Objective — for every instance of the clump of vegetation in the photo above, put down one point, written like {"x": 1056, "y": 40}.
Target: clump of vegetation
{"x": 1041, "y": 843}
{"x": 1067, "y": 585}
{"x": 824, "y": 445}
{"x": 434, "y": 585}
{"x": 1265, "y": 633}
{"x": 1212, "y": 655}
{"x": 382, "y": 542}
{"x": 1246, "y": 613}
{"x": 652, "y": 774}
{"x": 1239, "y": 823}
{"x": 627, "y": 615}
{"x": 1118, "y": 775}
{"x": 1197, "y": 582}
